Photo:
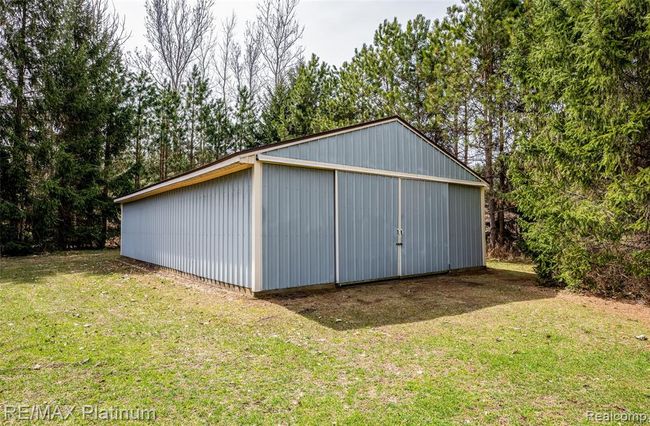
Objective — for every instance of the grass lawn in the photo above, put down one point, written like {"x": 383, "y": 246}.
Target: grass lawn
{"x": 489, "y": 347}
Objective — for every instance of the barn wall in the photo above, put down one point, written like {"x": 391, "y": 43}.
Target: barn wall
{"x": 204, "y": 229}
{"x": 390, "y": 146}
{"x": 465, "y": 231}
{"x": 298, "y": 227}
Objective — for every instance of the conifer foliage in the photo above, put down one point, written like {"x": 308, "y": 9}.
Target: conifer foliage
{"x": 63, "y": 123}
{"x": 581, "y": 169}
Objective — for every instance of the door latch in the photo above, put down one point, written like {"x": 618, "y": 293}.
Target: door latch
{"x": 399, "y": 236}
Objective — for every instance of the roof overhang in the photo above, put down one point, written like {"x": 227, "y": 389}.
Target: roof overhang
{"x": 232, "y": 165}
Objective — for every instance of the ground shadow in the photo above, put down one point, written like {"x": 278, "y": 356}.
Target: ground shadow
{"x": 412, "y": 300}
{"x": 36, "y": 269}
{"x": 351, "y": 307}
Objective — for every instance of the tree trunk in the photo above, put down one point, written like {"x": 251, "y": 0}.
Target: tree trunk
{"x": 489, "y": 177}
{"x": 192, "y": 137}
{"x": 20, "y": 135}
{"x": 502, "y": 183}
{"x": 456, "y": 148}
{"x": 466, "y": 134}
{"x": 138, "y": 154}
{"x": 107, "y": 165}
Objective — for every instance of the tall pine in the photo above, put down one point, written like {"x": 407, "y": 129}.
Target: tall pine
{"x": 582, "y": 166}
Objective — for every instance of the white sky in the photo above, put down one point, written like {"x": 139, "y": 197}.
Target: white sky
{"x": 333, "y": 28}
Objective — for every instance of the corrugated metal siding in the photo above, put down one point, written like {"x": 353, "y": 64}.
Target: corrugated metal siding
{"x": 465, "y": 245}
{"x": 298, "y": 227}
{"x": 204, "y": 229}
{"x": 388, "y": 146}
{"x": 425, "y": 224}
{"x": 367, "y": 227}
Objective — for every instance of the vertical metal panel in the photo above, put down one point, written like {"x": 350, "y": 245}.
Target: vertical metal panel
{"x": 425, "y": 223}
{"x": 399, "y": 226}
{"x": 337, "y": 223}
{"x": 202, "y": 229}
{"x": 389, "y": 146}
{"x": 465, "y": 246}
{"x": 257, "y": 246}
{"x": 298, "y": 227}
{"x": 367, "y": 227}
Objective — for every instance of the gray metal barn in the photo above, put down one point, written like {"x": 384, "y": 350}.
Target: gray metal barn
{"x": 368, "y": 202}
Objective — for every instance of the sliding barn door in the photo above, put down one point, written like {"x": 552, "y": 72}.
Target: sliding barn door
{"x": 425, "y": 226}
{"x": 367, "y": 227}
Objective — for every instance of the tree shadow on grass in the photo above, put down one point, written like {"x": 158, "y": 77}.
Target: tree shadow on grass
{"x": 345, "y": 308}
{"x": 35, "y": 269}
{"x": 413, "y": 300}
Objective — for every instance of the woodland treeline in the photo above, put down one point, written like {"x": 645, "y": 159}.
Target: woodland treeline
{"x": 549, "y": 100}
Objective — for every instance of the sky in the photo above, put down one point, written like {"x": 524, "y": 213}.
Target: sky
{"x": 333, "y": 28}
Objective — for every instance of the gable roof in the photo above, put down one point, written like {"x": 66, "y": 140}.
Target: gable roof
{"x": 244, "y": 159}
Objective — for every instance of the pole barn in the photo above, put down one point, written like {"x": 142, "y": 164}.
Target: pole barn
{"x": 367, "y": 202}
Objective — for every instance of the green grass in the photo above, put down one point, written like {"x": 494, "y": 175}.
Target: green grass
{"x": 489, "y": 347}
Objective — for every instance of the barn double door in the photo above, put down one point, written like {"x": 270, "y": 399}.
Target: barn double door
{"x": 389, "y": 227}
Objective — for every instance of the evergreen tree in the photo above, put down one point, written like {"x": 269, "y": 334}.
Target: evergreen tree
{"x": 274, "y": 118}
{"x": 244, "y": 126}
{"x": 312, "y": 85}
{"x": 582, "y": 166}
{"x": 195, "y": 97}
{"x": 143, "y": 97}
{"x": 218, "y": 131}
{"x": 83, "y": 96}
{"x": 28, "y": 30}
{"x": 451, "y": 76}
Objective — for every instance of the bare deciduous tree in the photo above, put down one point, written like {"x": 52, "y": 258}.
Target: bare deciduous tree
{"x": 144, "y": 60}
{"x": 109, "y": 21}
{"x": 205, "y": 56}
{"x": 226, "y": 44}
{"x": 251, "y": 61}
{"x": 282, "y": 33}
{"x": 237, "y": 66}
{"x": 176, "y": 31}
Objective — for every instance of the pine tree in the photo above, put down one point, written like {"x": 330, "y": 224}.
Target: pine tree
{"x": 581, "y": 169}
{"x": 28, "y": 30}
{"x": 195, "y": 97}
{"x": 274, "y": 118}
{"x": 312, "y": 85}
{"x": 83, "y": 96}
{"x": 218, "y": 130}
{"x": 450, "y": 76}
{"x": 143, "y": 96}
{"x": 244, "y": 126}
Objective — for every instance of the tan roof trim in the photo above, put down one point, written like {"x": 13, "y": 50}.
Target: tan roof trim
{"x": 187, "y": 180}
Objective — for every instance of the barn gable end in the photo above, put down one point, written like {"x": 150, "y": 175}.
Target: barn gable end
{"x": 391, "y": 146}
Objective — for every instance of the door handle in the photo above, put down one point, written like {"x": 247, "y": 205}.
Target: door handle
{"x": 399, "y": 236}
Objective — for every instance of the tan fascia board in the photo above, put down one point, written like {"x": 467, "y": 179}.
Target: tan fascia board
{"x": 230, "y": 166}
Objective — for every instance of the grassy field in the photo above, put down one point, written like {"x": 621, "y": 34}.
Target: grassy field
{"x": 489, "y": 347}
